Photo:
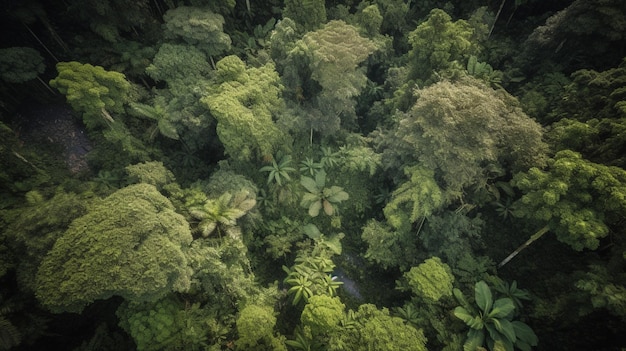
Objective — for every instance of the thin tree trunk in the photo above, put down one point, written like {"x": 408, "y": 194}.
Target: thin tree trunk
{"x": 496, "y": 19}
{"x": 46, "y": 85}
{"x": 40, "y": 42}
{"x": 534, "y": 237}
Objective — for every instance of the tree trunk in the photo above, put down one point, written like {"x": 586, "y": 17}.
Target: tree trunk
{"x": 534, "y": 237}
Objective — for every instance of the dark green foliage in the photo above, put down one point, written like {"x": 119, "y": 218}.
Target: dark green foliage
{"x": 129, "y": 244}
{"x": 307, "y": 14}
{"x": 20, "y": 64}
{"x": 583, "y": 33}
{"x": 404, "y": 105}
{"x": 198, "y": 27}
{"x": 111, "y": 18}
{"x": 166, "y": 324}
{"x": 438, "y": 44}
{"x": 279, "y": 171}
{"x": 492, "y": 323}
{"x": 605, "y": 290}
{"x": 36, "y": 227}
{"x": 592, "y": 116}
{"x": 10, "y": 335}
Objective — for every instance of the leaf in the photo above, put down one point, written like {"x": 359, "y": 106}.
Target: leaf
{"x": 328, "y": 208}
{"x": 168, "y": 129}
{"x": 502, "y": 308}
{"x": 472, "y": 321}
{"x": 475, "y": 339}
{"x": 207, "y": 227}
{"x": 310, "y": 185}
{"x": 314, "y": 208}
{"x": 483, "y": 296}
{"x": 524, "y": 333}
{"x": 311, "y": 231}
{"x": 336, "y": 194}
{"x": 320, "y": 179}
{"x": 505, "y": 328}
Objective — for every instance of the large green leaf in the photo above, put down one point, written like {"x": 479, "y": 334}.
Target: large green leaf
{"x": 502, "y": 308}
{"x": 505, "y": 328}
{"x": 312, "y": 231}
{"x": 314, "y": 208}
{"x": 475, "y": 339}
{"x": 335, "y": 194}
{"x": 320, "y": 179}
{"x": 526, "y": 337}
{"x": 473, "y": 322}
{"x": 483, "y": 296}
{"x": 168, "y": 129}
{"x": 310, "y": 185}
{"x": 308, "y": 199}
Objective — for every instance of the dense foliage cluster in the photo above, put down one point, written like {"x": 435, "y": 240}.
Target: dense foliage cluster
{"x": 313, "y": 175}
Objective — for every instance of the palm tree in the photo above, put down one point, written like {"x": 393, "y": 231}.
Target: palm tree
{"x": 279, "y": 171}
{"x": 221, "y": 214}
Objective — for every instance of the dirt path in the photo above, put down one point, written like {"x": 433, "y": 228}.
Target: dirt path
{"x": 56, "y": 124}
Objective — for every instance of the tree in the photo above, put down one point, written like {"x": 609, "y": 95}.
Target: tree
{"x": 414, "y": 199}
{"x": 92, "y": 91}
{"x": 468, "y": 134}
{"x": 21, "y": 64}
{"x": 179, "y": 66}
{"x": 221, "y": 214}
{"x": 307, "y": 14}
{"x": 576, "y": 199}
{"x": 581, "y": 35}
{"x": 129, "y": 244}
{"x": 388, "y": 248}
{"x": 431, "y": 280}
{"x": 166, "y": 324}
{"x": 153, "y": 173}
{"x": 375, "y": 329}
{"x": 322, "y": 314}
{"x": 438, "y": 43}
{"x": 244, "y": 101}
{"x": 255, "y": 326}
{"x": 330, "y": 57}
{"x": 591, "y": 113}
{"x": 198, "y": 27}
{"x": 34, "y": 229}
{"x": 111, "y": 18}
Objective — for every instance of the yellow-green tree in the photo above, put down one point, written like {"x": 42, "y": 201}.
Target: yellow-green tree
{"x": 129, "y": 244}
{"x": 244, "y": 102}
{"x": 92, "y": 91}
